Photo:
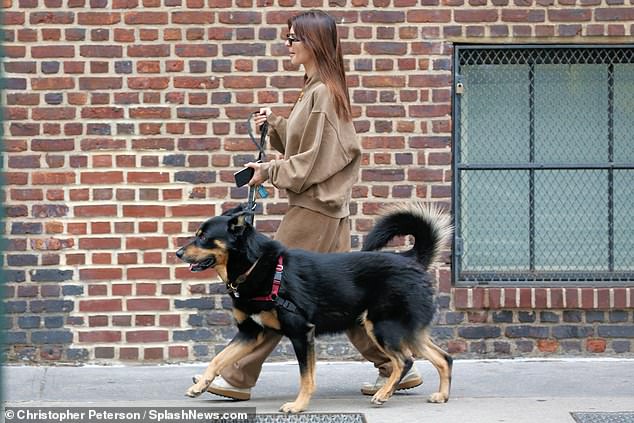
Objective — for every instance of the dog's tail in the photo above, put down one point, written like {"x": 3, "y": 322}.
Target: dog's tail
{"x": 430, "y": 227}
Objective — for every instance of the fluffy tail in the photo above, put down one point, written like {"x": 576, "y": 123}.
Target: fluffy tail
{"x": 430, "y": 227}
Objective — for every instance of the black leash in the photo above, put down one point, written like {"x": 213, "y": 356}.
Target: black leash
{"x": 264, "y": 129}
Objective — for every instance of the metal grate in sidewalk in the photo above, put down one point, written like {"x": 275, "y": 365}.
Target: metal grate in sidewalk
{"x": 311, "y": 418}
{"x": 602, "y": 417}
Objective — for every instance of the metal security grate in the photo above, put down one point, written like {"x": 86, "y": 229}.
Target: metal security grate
{"x": 596, "y": 417}
{"x": 310, "y": 418}
{"x": 544, "y": 159}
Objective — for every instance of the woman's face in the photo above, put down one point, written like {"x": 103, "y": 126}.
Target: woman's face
{"x": 300, "y": 55}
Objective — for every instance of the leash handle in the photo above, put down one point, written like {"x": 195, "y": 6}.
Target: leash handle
{"x": 264, "y": 129}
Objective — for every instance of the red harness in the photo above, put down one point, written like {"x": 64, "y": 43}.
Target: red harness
{"x": 277, "y": 282}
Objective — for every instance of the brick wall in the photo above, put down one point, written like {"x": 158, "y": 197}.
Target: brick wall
{"x": 124, "y": 121}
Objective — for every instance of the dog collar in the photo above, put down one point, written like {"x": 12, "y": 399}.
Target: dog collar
{"x": 232, "y": 287}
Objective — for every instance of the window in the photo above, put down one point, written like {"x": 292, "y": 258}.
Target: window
{"x": 544, "y": 164}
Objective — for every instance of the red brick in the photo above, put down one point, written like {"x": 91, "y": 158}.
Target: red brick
{"x": 144, "y": 320}
{"x": 475, "y": 16}
{"x": 100, "y": 305}
{"x": 153, "y": 354}
{"x": 556, "y": 298}
{"x": 100, "y": 83}
{"x": 149, "y": 273}
{"x": 620, "y": 298}
{"x": 461, "y": 297}
{"x": 603, "y": 298}
{"x": 101, "y": 178}
{"x": 431, "y": 81}
{"x": 191, "y": 18}
{"x": 121, "y": 289}
{"x": 100, "y": 336}
{"x": 596, "y": 345}
{"x": 523, "y": 15}
{"x": 144, "y": 336}
{"x": 95, "y": 211}
{"x": 478, "y": 297}
{"x": 53, "y": 178}
{"x": 547, "y": 345}
{"x": 97, "y": 321}
{"x": 100, "y": 243}
{"x": 147, "y": 304}
{"x": 150, "y": 113}
{"x": 495, "y": 299}
{"x": 146, "y": 18}
{"x": 102, "y": 113}
{"x": 569, "y": 15}
{"x": 178, "y": 351}
{"x": 206, "y": 210}
{"x": 510, "y": 297}
{"x": 572, "y": 298}
{"x": 148, "y": 83}
{"x": 383, "y": 81}
{"x": 13, "y": 18}
{"x": 53, "y": 51}
{"x": 144, "y": 211}
{"x": 53, "y": 113}
{"x": 184, "y": 273}
{"x": 541, "y": 298}
{"x": 429, "y": 15}
{"x": 100, "y": 274}
{"x": 98, "y": 18}
{"x": 54, "y": 83}
{"x": 526, "y": 298}
{"x": 197, "y": 50}
{"x": 456, "y": 347}
{"x": 148, "y": 51}
{"x": 145, "y": 243}
{"x": 128, "y": 353}
{"x": 587, "y": 298}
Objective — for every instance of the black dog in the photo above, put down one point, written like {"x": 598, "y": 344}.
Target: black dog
{"x": 303, "y": 294}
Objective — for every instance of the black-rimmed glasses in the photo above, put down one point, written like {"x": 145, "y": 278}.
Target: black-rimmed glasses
{"x": 291, "y": 38}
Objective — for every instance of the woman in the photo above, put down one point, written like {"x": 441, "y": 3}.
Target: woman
{"x": 320, "y": 165}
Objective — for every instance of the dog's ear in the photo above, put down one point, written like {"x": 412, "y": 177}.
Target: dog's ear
{"x": 238, "y": 223}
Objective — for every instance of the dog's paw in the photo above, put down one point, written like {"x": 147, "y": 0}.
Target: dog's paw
{"x": 193, "y": 392}
{"x": 292, "y": 407}
{"x": 437, "y": 397}
{"x": 379, "y": 399}
{"x": 198, "y": 387}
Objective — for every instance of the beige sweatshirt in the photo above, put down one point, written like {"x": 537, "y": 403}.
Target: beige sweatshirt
{"x": 321, "y": 153}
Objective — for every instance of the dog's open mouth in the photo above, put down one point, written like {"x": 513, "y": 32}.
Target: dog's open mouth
{"x": 199, "y": 267}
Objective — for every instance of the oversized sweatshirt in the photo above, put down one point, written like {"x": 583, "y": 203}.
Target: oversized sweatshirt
{"x": 322, "y": 154}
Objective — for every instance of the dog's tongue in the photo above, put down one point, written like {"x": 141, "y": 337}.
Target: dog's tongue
{"x": 191, "y": 267}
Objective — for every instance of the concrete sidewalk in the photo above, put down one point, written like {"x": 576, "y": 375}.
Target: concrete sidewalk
{"x": 484, "y": 391}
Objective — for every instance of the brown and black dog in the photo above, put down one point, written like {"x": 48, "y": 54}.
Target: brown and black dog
{"x": 303, "y": 294}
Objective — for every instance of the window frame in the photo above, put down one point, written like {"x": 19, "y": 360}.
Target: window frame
{"x": 525, "y": 279}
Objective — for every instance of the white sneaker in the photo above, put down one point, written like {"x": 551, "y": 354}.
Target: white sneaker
{"x": 223, "y": 388}
{"x": 412, "y": 379}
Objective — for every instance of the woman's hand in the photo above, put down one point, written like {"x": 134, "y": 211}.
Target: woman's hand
{"x": 261, "y": 117}
{"x": 258, "y": 176}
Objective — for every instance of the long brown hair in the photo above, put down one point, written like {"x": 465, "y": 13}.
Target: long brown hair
{"x": 318, "y": 32}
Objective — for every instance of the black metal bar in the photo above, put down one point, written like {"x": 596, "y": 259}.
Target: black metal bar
{"x": 518, "y": 276}
{"x": 545, "y": 166}
{"x": 611, "y": 171}
{"x": 456, "y": 200}
{"x": 531, "y": 177}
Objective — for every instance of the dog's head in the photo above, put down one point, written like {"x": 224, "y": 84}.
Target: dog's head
{"x": 215, "y": 238}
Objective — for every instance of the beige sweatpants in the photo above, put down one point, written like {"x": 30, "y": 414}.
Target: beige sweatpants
{"x": 308, "y": 230}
